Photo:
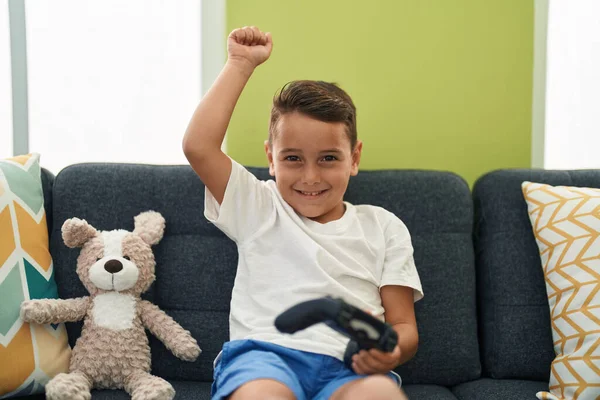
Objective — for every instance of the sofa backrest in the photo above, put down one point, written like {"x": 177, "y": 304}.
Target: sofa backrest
{"x": 196, "y": 263}
{"x": 514, "y": 316}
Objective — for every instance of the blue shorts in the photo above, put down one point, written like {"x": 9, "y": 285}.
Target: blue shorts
{"x": 307, "y": 375}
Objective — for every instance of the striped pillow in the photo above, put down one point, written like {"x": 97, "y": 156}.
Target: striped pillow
{"x": 566, "y": 224}
{"x": 35, "y": 353}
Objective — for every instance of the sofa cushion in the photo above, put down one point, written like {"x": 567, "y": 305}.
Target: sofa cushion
{"x": 515, "y": 333}
{"x": 505, "y": 389}
{"x": 566, "y": 224}
{"x": 35, "y": 353}
{"x": 437, "y": 209}
{"x": 184, "y": 390}
{"x": 201, "y": 391}
{"x": 196, "y": 263}
{"x": 422, "y": 392}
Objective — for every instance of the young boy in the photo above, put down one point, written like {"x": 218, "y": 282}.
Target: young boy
{"x": 299, "y": 240}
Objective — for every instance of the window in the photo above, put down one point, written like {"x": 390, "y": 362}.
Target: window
{"x": 572, "y": 122}
{"x": 5, "y": 84}
{"x": 111, "y": 81}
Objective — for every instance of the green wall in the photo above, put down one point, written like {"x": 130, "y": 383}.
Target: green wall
{"x": 438, "y": 84}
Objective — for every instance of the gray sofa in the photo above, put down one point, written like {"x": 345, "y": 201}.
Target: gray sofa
{"x": 484, "y": 322}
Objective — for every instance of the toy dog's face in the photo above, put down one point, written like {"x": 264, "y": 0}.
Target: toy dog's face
{"x": 118, "y": 260}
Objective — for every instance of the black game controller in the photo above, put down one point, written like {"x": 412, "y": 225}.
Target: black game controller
{"x": 364, "y": 330}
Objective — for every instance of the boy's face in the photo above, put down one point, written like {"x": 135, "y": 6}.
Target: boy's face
{"x": 312, "y": 162}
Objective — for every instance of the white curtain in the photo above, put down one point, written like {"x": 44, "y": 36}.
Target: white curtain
{"x": 5, "y": 85}
{"x": 111, "y": 80}
{"x": 572, "y": 112}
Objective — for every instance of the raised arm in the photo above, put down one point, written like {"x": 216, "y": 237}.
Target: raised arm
{"x": 54, "y": 311}
{"x": 247, "y": 48}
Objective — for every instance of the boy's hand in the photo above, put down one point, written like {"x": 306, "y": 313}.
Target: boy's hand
{"x": 249, "y": 46}
{"x": 374, "y": 361}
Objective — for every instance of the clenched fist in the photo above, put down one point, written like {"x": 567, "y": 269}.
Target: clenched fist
{"x": 249, "y": 46}
{"x": 374, "y": 361}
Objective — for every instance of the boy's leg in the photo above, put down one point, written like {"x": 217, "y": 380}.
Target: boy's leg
{"x": 263, "y": 389}
{"x": 373, "y": 387}
{"x": 249, "y": 370}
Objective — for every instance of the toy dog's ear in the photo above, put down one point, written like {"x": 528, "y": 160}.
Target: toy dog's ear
{"x": 150, "y": 226}
{"x": 75, "y": 232}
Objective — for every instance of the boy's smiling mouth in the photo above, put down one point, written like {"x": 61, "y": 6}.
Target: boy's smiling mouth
{"x": 310, "y": 194}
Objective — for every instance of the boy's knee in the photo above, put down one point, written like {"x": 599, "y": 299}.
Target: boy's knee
{"x": 264, "y": 389}
{"x": 383, "y": 387}
{"x": 374, "y": 387}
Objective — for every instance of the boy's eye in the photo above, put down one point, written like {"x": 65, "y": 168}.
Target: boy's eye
{"x": 330, "y": 158}
{"x": 292, "y": 158}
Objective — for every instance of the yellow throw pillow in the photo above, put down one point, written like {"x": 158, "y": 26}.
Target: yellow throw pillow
{"x": 29, "y": 354}
{"x": 566, "y": 224}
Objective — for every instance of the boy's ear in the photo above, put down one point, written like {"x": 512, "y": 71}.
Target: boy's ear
{"x": 269, "y": 153}
{"x": 356, "y": 153}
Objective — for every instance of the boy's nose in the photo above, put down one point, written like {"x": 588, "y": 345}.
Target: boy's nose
{"x": 311, "y": 176}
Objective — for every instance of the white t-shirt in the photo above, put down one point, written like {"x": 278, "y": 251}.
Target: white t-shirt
{"x": 285, "y": 258}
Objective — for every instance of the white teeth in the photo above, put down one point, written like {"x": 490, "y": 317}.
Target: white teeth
{"x": 312, "y": 193}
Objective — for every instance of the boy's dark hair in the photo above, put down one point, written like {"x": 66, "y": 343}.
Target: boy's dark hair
{"x": 323, "y": 101}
